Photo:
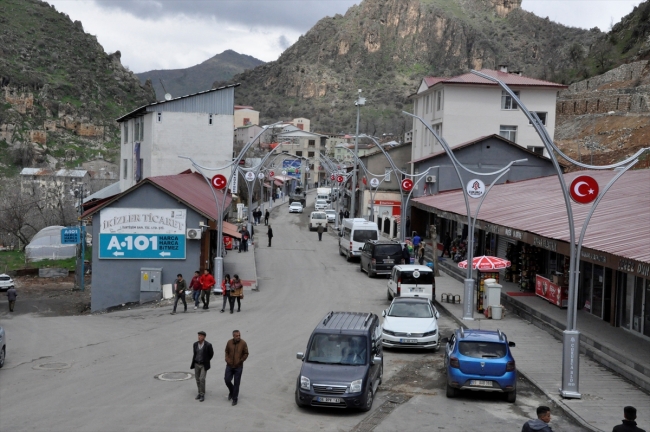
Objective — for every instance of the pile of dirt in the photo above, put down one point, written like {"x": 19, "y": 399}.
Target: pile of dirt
{"x": 51, "y": 296}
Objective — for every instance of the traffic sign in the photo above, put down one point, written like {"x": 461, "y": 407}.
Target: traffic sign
{"x": 374, "y": 182}
{"x": 70, "y": 235}
{"x": 475, "y": 188}
{"x": 142, "y": 246}
{"x": 260, "y": 176}
{"x": 332, "y": 177}
{"x": 407, "y": 184}
{"x": 584, "y": 189}
{"x": 271, "y": 174}
{"x": 339, "y": 179}
{"x": 219, "y": 181}
{"x": 249, "y": 176}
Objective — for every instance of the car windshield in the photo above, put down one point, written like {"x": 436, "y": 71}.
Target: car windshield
{"x": 321, "y": 202}
{"x": 4, "y": 278}
{"x": 296, "y": 205}
{"x": 318, "y": 216}
{"x": 410, "y": 310}
{"x": 482, "y": 349}
{"x": 338, "y": 349}
{"x": 388, "y": 249}
{"x": 362, "y": 236}
{"x": 425, "y": 278}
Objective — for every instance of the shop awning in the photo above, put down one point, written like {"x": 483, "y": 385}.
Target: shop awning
{"x": 267, "y": 185}
{"x": 277, "y": 182}
{"x": 282, "y": 178}
{"x": 230, "y": 230}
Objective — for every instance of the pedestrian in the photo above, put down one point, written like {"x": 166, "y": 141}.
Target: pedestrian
{"x": 195, "y": 286}
{"x": 447, "y": 246}
{"x": 236, "y": 355}
{"x": 207, "y": 282}
{"x": 320, "y": 230}
{"x": 273, "y": 197}
{"x": 629, "y": 423}
{"x": 225, "y": 291}
{"x": 421, "y": 251}
{"x": 11, "y": 296}
{"x": 246, "y": 235}
{"x": 181, "y": 286}
{"x": 406, "y": 256}
{"x": 202, "y": 353}
{"x": 346, "y": 214}
{"x": 540, "y": 424}
{"x": 236, "y": 294}
{"x": 408, "y": 228}
{"x": 269, "y": 233}
{"x": 416, "y": 239}
{"x": 241, "y": 240}
{"x": 341, "y": 216}
{"x": 266, "y": 217}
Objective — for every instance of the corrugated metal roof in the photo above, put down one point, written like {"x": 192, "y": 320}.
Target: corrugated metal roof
{"x": 508, "y": 78}
{"x": 35, "y": 171}
{"x": 71, "y": 173}
{"x": 619, "y": 226}
{"x": 431, "y": 81}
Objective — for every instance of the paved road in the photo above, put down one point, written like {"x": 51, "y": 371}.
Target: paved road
{"x": 109, "y": 360}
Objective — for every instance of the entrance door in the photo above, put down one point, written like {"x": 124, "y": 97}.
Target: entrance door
{"x": 637, "y": 307}
{"x": 607, "y": 296}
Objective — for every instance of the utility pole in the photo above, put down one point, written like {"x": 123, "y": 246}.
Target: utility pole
{"x": 359, "y": 103}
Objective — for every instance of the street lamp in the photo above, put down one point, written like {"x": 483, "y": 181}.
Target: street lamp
{"x": 358, "y": 103}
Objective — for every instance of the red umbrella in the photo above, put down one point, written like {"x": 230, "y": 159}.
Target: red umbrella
{"x": 486, "y": 263}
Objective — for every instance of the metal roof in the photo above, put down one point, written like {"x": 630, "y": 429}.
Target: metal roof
{"x": 35, "y": 171}
{"x": 510, "y": 79}
{"x": 71, "y": 173}
{"x": 620, "y": 225}
{"x": 108, "y": 191}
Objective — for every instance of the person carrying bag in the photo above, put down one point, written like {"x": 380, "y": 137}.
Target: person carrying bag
{"x": 236, "y": 293}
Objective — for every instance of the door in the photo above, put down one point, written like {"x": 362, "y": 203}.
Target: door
{"x": 376, "y": 350}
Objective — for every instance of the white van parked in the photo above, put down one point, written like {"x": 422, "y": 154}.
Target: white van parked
{"x": 353, "y": 235}
{"x": 409, "y": 280}
{"x": 317, "y": 218}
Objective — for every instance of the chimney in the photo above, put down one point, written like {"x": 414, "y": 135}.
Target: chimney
{"x": 503, "y": 68}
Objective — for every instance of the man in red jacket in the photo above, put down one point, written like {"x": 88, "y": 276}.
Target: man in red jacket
{"x": 207, "y": 282}
{"x": 195, "y": 286}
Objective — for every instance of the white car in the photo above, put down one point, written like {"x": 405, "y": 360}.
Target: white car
{"x": 321, "y": 204}
{"x": 331, "y": 215}
{"x": 295, "y": 207}
{"x": 5, "y": 282}
{"x": 411, "y": 322}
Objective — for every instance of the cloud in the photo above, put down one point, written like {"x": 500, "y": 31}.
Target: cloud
{"x": 582, "y": 13}
{"x": 283, "y": 42}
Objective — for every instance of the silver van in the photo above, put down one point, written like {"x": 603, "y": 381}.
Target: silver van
{"x": 412, "y": 281}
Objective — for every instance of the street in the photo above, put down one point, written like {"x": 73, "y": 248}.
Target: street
{"x": 98, "y": 372}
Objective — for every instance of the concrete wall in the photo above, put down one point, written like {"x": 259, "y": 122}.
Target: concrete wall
{"x": 241, "y": 114}
{"x": 118, "y": 281}
{"x": 377, "y": 164}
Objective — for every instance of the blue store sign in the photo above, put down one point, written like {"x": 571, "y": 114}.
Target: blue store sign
{"x": 142, "y": 246}
{"x": 70, "y": 235}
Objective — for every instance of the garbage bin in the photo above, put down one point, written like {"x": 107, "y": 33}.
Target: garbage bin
{"x": 497, "y": 312}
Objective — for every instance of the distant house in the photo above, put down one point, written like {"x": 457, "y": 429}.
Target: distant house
{"x": 307, "y": 145}
{"x": 243, "y": 134}
{"x": 245, "y": 116}
{"x": 53, "y": 186}
{"x": 467, "y": 106}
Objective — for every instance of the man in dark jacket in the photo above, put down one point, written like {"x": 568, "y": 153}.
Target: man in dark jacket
{"x": 236, "y": 355}
{"x": 195, "y": 286}
{"x": 628, "y": 425}
{"x": 406, "y": 256}
{"x": 266, "y": 217}
{"x": 346, "y": 214}
{"x": 11, "y": 296}
{"x": 202, "y": 354}
{"x": 320, "y": 230}
{"x": 269, "y": 233}
{"x": 540, "y": 424}
{"x": 180, "y": 286}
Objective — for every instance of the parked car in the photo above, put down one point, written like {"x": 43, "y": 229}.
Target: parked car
{"x": 295, "y": 207}
{"x": 6, "y": 282}
{"x": 331, "y": 215}
{"x": 343, "y": 364}
{"x": 411, "y": 322}
{"x": 321, "y": 204}
{"x": 317, "y": 218}
{"x": 3, "y": 347}
{"x": 480, "y": 360}
{"x": 378, "y": 257}
{"x": 412, "y": 280}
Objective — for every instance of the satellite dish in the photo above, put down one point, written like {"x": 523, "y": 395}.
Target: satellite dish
{"x": 168, "y": 96}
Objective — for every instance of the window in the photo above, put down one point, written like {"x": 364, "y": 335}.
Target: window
{"x": 508, "y": 132}
{"x": 125, "y": 162}
{"x": 507, "y": 102}
{"x": 159, "y": 117}
{"x": 426, "y": 104}
{"x": 537, "y": 150}
{"x": 438, "y": 129}
{"x": 542, "y": 117}
{"x": 310, "y": 154}
{"x": 387, "y": 174}
{"x": 299, "y": 153}
{"x": 439, "y": 102}
{"x": 312, "y": 142}
{"x": 247, "y": 121}
{"x": 210, "y": 119}
{"x": 126, "y": 132}
{"x": 136, "y": 135}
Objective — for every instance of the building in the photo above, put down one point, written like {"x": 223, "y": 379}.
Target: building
{"x": 308, "y": 145}
{"x": 345, "y": 152}
{"x": 199, "y": 126}
{"x": 54, "y": 186}
{"x": 164, "y": 222}
{"x": 245, "y": 134}
{"x": 245, "y": 116}
{"x": 467, "y": 106}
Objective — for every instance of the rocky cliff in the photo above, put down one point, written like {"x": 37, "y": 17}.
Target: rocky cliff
{"x": 385, "y": 47}
{"x": 59, "y": 91}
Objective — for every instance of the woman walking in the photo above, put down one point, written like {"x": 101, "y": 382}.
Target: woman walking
{"x": 236, "y": 293}
{"x": 226, "y": 286}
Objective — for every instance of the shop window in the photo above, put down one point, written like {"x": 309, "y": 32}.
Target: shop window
{"x": 597, "y": 292}
{"x": 646, "y": 323}
{"x": 126, "y": 132}
{"x": 536, "y": 149}
{"x": 125, "y": 163}
{"x": 507, "y": 102}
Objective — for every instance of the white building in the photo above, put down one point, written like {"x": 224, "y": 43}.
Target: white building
{"x": 467, "y": 106}
{"x": 154, "y": 136}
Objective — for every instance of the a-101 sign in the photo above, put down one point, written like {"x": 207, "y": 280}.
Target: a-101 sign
{"x": 130, "y": 233}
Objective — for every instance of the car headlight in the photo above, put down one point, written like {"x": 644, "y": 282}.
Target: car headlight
{"x": 388, "y": 332}
{"x": 305, "y": 383}
{"x": 431, "y": 333}
{"x": 355, "y": 386}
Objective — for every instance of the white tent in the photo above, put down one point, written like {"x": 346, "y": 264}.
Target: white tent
{"x": 46, "y": 244}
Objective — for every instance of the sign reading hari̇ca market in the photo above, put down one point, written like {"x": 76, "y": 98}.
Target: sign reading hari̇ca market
{"x": 132, "y": 233}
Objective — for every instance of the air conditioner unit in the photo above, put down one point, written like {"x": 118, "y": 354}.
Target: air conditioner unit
{"x": 430, "y": 179}
{"x": 194, "y": 233}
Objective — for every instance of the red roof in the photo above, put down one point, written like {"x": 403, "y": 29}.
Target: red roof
{"x": 507, "y": 78}
{"x": 620, "y": 225}
{"x": 431, "y": 81}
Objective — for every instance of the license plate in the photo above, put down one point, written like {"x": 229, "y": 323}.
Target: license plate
{"x": 480, "y": 383}
{"x": 416, "y": 289}
{"x": 408, "y": 341}
{"x": 329, "y": 400}
{"x": 389, "y": 261}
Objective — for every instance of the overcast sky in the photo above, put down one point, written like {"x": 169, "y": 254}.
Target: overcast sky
{"x": 173, "y": 34}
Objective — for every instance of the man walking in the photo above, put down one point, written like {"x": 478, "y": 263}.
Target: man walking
{"x": 406, "y": 256}
{"x": 11, "y": 296}
{"x": 202, "y": 354}
{"x": 207, "y": 282}
{"x": 629, "y": 423}
{"x": 195, "y": 286}
{"x": 266, "y": 217}
{"x": 236, "y": 355}
{"x": 269, "y": 233}
{"x": 341, "y": 216}
{"x": 181, "y": 286}
{"x": 320, "y": 230}
{"x": 346, "y": 214}
{"x": 416, "y": 240}
{"x": 540, "y": 424}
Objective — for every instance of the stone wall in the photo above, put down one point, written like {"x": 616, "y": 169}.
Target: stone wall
{"x": 20, "y": 101}
{"x": 37, "y": 136}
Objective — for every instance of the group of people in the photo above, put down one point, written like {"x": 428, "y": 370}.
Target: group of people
{"x": 202, "y": 285}
{"x": 418, "y": 250}
{"x": 541, "y": 423}
{"x": 343, "y": 214}
{"x": 231, "y": 290}
{"x": 236, "y": 353}
{"x": 257, "y": 216}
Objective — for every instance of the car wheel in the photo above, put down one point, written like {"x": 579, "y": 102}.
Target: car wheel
{"x": 511, "y": 397}
{"x": 451, "y": 392}
{"x": 389, "y": 295}
{"x": 348, "y": 258}
{"x": 369, "y": 399}
{"x": 2, "y": 357}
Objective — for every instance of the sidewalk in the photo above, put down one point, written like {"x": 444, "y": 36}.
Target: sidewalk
{"x": 242, "y": 264}
{"x": 539, "y": 357}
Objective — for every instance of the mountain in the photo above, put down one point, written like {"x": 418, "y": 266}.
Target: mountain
{"x": 180, "y": 82}
{"x": 385, "y": 47}
{"x": 60, "y": 91}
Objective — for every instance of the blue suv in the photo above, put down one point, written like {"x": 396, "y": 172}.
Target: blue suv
{"x": 480, "y": 360}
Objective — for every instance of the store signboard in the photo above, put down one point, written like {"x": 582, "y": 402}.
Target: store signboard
{"x": 134, "y": 233}
{"x": 554, "y": 293}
